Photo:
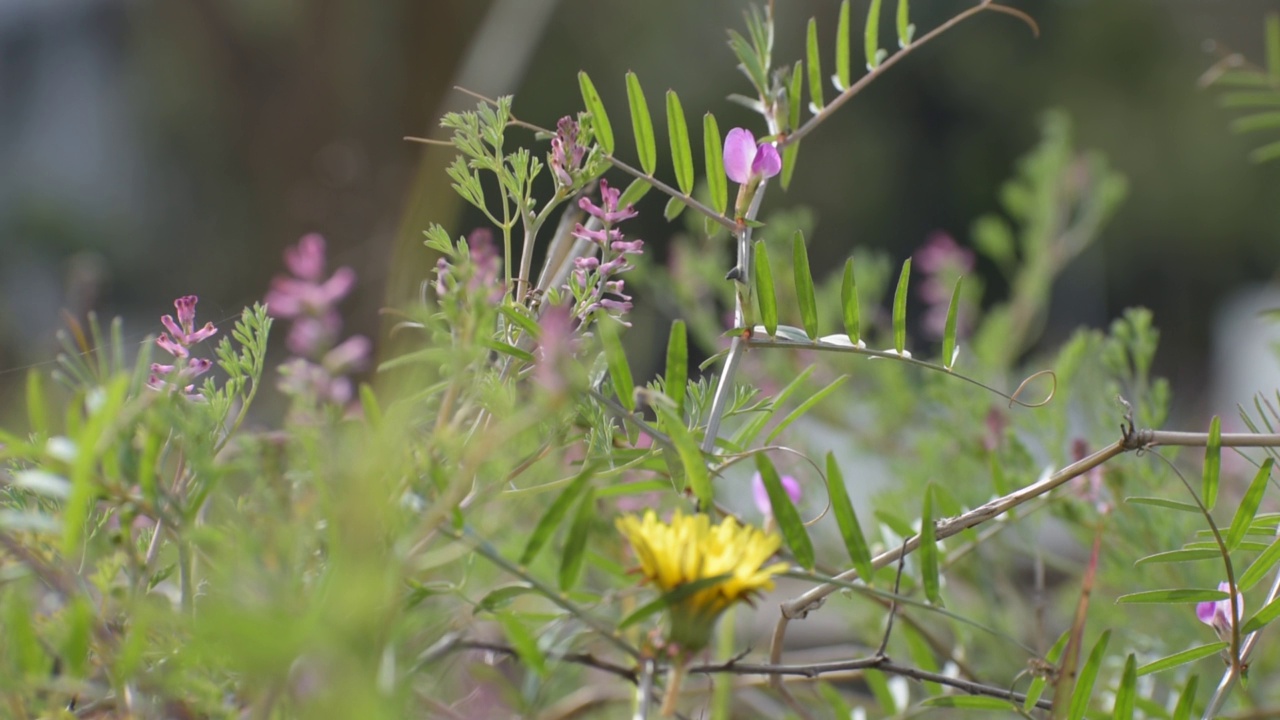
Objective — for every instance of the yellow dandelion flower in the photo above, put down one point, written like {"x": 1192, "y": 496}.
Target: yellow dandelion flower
{"x": 689, "y": 550}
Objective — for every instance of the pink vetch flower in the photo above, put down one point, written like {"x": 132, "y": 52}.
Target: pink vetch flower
{"x": 761, "y": 495}
{"x": 181, "y": 336}
{"x": 744, "y": 159}
{"x": 1217, "y": 613}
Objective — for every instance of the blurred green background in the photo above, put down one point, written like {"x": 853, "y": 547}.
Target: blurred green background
{"x": 152, "y": 149}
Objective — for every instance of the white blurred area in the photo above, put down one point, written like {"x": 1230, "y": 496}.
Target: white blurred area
{"x": 1246, "y": 356}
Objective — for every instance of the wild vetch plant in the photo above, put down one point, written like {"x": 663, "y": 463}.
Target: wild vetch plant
{"x": 508, "y": 520}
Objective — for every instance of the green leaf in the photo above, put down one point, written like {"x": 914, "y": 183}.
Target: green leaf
{"x": 1264, "y": 616}
{"x": 789, "y": 155}
{"x": 804, "y": 286}
{"x": 594, "y": 105}
{"x": 20, "y": 635}
{"x": 785, "y": 513}
{"x": 873, "y": 35}
{"x": 1126, "y": 693}
{"x": 969, "y": 702}
{"x": 1182, "y": 658}
{"x": 674, "y": 207}
{"x": 1250, "y": 99}
{"x": 677, "y": 374}
{"x": 1174, "y": 556}
{"x": 842, "y": 47}
{"x": 949, "y": 333}
{"x": 1212, "y": 463}
{"x": 1039, "y": 682}
{"x": 765, "y": 296}
{"x": 815, "y": 64}
{"x": 1162, "y": 502}
{"x": 905, "y": 29}
{"x": 619, "y": 368}
{"x": 501, "y": 597}
{"x": 1273, "y": 47}
{"x": 1177, "y": 595}
{"x": 900, "y": 308}
{"x": 1260, "y": 568}
{"x": 555, "y": 514}
{"x": 575, "y": 544}
{"x": 805, "y": 407}
{"x": 524, "y": 643}
{"x": 1257, "y": 121}
{"x": 1249, "y": 505}
{"x": 1265, "y": 153}
{"x": 849, "y": 304}
{"x": 642, "y": 125}
{"x": 671, "y": 598}
{"x": 750, "y": 60}
{"x": 1187, "y": 700}
{"x": 929, "y": 550}
{"x": 697, "y": 477}
{"x": 795, "y": 98}
{"x": 717, "y": 181}
{"x": 78, "y": 620}
{"x": 369, "y": 405}
{"x": 850, "y": 529}
{"x": 879, "y": 685}
{"x": 636, "y": 190}
{"x": 681, "y": 150}
{"x": 1084, "y": 681}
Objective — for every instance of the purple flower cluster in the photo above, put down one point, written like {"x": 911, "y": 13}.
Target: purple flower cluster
{"x": 595, "y": 281}
{"x": 567, "y": 153}
{"x": 181, "y": 335}
{"x": 310, "y": 301}
{"x": 942, "y": 262}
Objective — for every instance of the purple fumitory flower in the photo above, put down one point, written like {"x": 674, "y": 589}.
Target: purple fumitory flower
{"x": 942, "y": 262}
{"x": 567, "y": 153}
{"x": 595, "y": 284}
{"x": 761, "y": 495}
{"x": 1217, "y": 613}
{"x": 310, "y": 301}
{"x": 181, "y": 335}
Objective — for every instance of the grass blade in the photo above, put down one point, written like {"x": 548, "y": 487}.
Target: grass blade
{"x": 619, "y": 368}
{"x": 1187, "y": 700}
{"x": 900, "y": 308}
{"x": 1212, "y": 464}
{"x": 575, "y": 544}
{"x": 765, "y": 296}
{"x": 642, "y": 125}
{"x": 1126, "y": 693}
{"x": 805, "y": 296}
{"x": 849, "y": 303}
{"x": 785, "y": 513}
{"x": 681, "y": 150}
{"x": 555, "y": 514}
{"x": 594, "y": 105}
{"x": 717, "y": 181}
{"x": 1088, "y": 675}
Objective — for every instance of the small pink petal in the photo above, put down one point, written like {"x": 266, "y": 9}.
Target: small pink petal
{"x": 767, "y": 162}
{"x": 760, "y": 494}
{"x": 306, "y": 259}
{"x": 739, "y": 154}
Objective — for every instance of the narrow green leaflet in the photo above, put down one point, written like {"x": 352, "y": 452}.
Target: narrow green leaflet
{"x": 1249, "y": 505}
{"x": 524, "y": 643}
{"x": 1212, "y": 463}
{"x": 671, "y": 598}
{"x": 594, "y": 105}
{"x": 642, "y": 125}
{"x": 501, "y": 597}
{"x": 805, "y": 407}
{"x": 815, "y": 66}
{"x": 1182, "y": 658}
{"x": 677, "y": 374}
{"x": 795, "y": 98}
{"x": 674, "y": 207}
{"x": 1178, "y": 595}
{"x": 873, "y": 35}
{"x": 1250, "y": 99}
{"x": 949, "y": 333}
{"x": 1040, "y": 681}
{"x": 697, "y": 477}
{"x": 636, "y": 190}
{"x": 789, "y": 155}
{"x": 1084, "y": 681}
{"x": 849, "y": 304}
{"x": 842, "y": 48}
{"x": 765, "y": 296}
{"x": 929, "y": 550}
{"x": 785, "y": 513}
{"x": 575, "y": 544}
{"x": 619, "y": 368}
{"x": 1162, "y": 502}
{"x": 750, "y": 60}
{"x": 555, "y": 514}
{"x": 970, "y": 702}
{"x": 804, "y": 286}
{"x": 1260, "y": 568}
{"x": 1265, "y": 153}
{"x": 879, "y": 685}
{"x": 681, "y": 150}
{"x": 855, "y": 542}
{"x": 1187, "y": 700}
{"x": 717, "y": 181}
{"x": 1176, "y": 556}
{"x": 900, "y": 308}
{"x": 906, "y": 31}
{"x": 1257, "y": 121}
{"x": 1268, "y": 613}
{"x": 1126, "y": 693}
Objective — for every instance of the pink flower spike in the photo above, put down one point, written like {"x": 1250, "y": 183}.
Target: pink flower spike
{"x": 761, "y": 495}
{"x": 739, "y": 154}
{"x": 186, "y": 306}
{"x": 306, "y": 259}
